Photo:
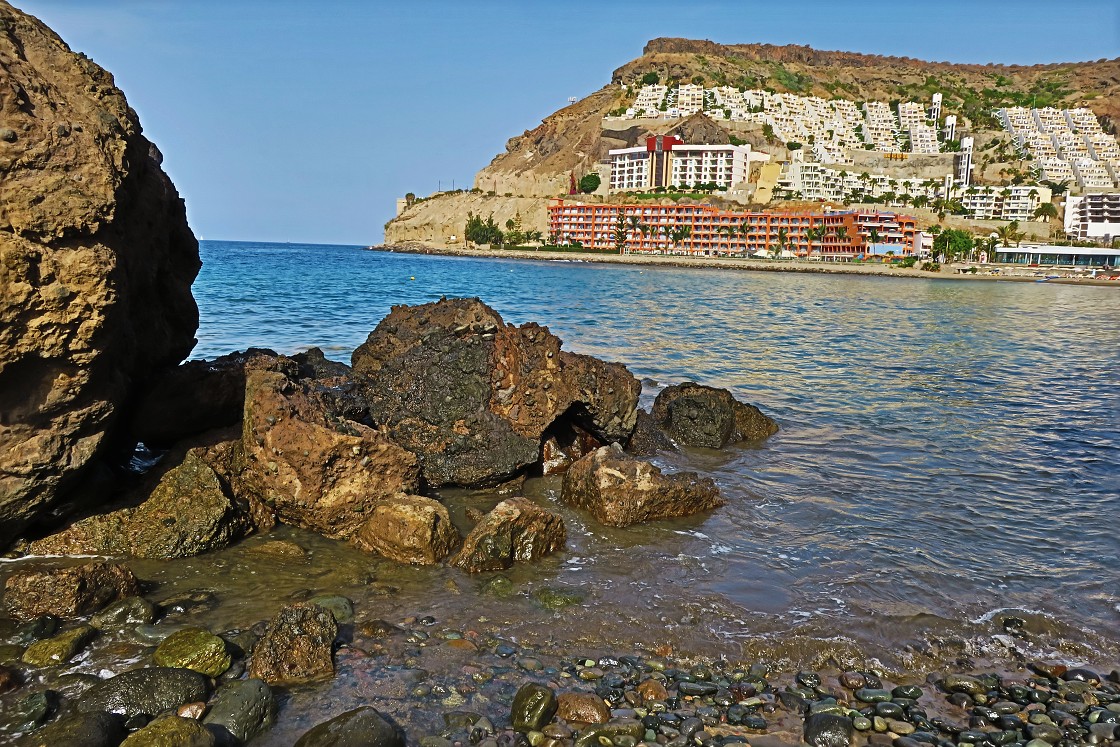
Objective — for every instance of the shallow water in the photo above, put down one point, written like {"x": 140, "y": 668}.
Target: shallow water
{"x": 947, "y": 448}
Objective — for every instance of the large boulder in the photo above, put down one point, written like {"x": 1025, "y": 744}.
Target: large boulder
{"x": 240, "y": 710}
{"x": 516, "y": 529}
{"x": 96, "y": 266}
{"x": 410, "y": 529}
{"x": 189, "y": 512}
{"x": 361, "y": 727}
{"x": 77, "y": 590}
{"x": 314, "y": 469}
{"x": 171, "y": 730}
{"x": 298, "y": 646}
{"x": 620, "y": 490}
{"x": 472, "y": 396}
{"x": 697, "y": 415}
{"x": 147, "y": 691}
{"x": 97, "y": 729}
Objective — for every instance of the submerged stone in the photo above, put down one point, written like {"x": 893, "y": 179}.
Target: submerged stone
{"x": 196, "y": 649}
{"x": 361, "y": 727}
{"x": 60, "y": 649}
{"x": 533, "y": 707}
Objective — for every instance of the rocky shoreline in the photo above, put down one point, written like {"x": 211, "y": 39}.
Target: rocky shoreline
{"x": 752, "y": 265}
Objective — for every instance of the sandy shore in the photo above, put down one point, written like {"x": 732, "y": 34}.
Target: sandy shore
{"x": 1006, "y": 273}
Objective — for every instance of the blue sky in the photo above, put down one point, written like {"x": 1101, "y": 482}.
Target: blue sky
{"x": 303, "y": 121}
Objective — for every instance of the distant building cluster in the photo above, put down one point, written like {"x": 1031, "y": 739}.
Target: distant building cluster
{"x": 1065, "y": 145}
{"x": 1093, "y": 216}
{"x": 828, "y": 128}
{"x": 706, "y": 230}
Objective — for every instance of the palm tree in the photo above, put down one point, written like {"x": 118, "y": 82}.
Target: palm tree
{"x": 816, "y": 233}
{"x": 873, "y": 236}
{"x": 1046, "y": 211}
{"x": 1010, "y": 233}
{"x": 920, "y": 201}
{"x": 677, "y": 234}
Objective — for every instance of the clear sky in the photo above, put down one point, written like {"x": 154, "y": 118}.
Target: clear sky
{"x": 304, "y": 121}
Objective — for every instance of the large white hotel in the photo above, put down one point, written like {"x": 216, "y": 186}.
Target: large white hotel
{"x": 668, "y": 161}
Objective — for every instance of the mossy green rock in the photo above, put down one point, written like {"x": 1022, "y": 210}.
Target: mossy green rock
{"x": 99, "y": 729}
{"x": 171, "y": 731}
{"x": 533, "y": 707}
{"x": 361, "y": 727}
{"x": 556, "y": 599}
{"x": 59, "y": 649}
{"x": 131, "y": 611}
{"x": 341, "y": 608}
{"x": 196, "y": 649}
{"x": 615, "y": 731}
{"x": 11, "y": 652}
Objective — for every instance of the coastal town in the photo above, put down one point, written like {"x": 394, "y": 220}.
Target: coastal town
{"x": 759, "y": 174}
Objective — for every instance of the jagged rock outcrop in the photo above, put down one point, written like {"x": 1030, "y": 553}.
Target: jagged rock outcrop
{"x": 620, "y": 490}
{"x": 96, "y": 265}
{"x": 472, "y": 396}
{"x": 190, "y": 512}
{"x": 703, "y": 416}
{"x": 313, "y": 468}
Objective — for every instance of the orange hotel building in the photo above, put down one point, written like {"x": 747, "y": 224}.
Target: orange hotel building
{"x": 594, "y": 226}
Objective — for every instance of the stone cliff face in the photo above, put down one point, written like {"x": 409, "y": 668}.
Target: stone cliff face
{"x": 96, "y": 264}
{"x": 435, "y": 221}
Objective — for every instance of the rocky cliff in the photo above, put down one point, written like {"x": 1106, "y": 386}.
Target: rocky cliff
{"x": 96, "y": 265}
{"x": 436, "y": 220}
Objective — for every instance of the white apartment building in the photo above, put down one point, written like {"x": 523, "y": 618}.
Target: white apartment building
{"x": 1002, "y": 203}
{"x": 1065, "y": 145}
{"x": 666, "y": 161}
{"x": 1093, "y": 216}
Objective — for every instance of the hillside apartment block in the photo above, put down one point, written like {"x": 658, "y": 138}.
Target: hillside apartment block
{"x": 1065, "y": 145}
{"x": 666, "y": 160}
{"x": 718, "y": 232}
{"x": 1093, "y": 216}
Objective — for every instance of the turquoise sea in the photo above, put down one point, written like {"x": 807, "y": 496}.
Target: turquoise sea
{"x": 946, "y": 480}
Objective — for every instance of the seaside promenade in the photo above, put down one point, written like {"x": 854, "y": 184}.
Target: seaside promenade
{"x": 1005, "y": 273}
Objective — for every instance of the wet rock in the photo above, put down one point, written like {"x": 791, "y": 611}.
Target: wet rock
{"x": 9, "y": 679}
{"x": 29, "y": 711}
{"x": 361, "y": 727}
{"x": 584, "y": 708}
{"x": 77, "y": 590}
{"x": 652, "y": 690}
{"x": 98, "y": 729}
{"x": 43, "y": 626}
{"x": 278, "y": 549}
{"x": 648, "y": 439}
{"x": 196, "y": 649}
{"x": 533, "y": 707}
{"x": 341, "y": 608}
{"x": 171, "y": 731}
{"x": 497, "y": 586}
{"x": 962, "y": 683}
{"x": 517, "y": 529}
{"x": 161, "y": 527}
{"x": 472, "y": 396}
{"x": 95, "y": 276}
{"x": 557, "y": 599}
{"x": 619, "y": 490}
{"x": 563, "y": 444}
{"x": 696, "y": 415}
{"x": 409, "y": 529}
{"x": 148, "y": 691}
{"x": 315, "y": 470}
{"x": 618, "y": 732}
{"x": 240, "y": 710}
{"x": 59, "y": 649}
{"x": 828, "y": 730}
{"x": 131, "y": 611}
{"x": 296, "y": 647}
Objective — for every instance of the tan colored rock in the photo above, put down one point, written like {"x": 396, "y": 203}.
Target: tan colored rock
{"x": 315, "y": 470}
{"x": 297, "y": 647}
{"x": 188, "y": 513}
{"x": 66, "y": 592}
{"x": 171, "y": 731}
{"x": 96, "y": 266}
{"x": 620, "y": 490}
{"x": 582, "y": 708}
{"x": 516, "y": 530}
{"x": 652, "y": 690}
{"x": 409, "y": 529}
{"x": 473, "y": 397}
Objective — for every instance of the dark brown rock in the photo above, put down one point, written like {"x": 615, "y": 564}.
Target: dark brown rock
{"x": 9, "y": 679}
{"x": 472, "y": 396}
{"x": 77, "y": 590}
{"x": 564, "y": 445}
{"x": 582, "y": 708}
{"x": 194, "y": 397}
{"x": 297, "y": 647}
{"x": 312, "y": 468}
{"x": 96, "y": 266}
{"x": 189, "y": 512}
{"x": 696, "y": 415}
{"x": 409, "y": 529}
{"x": 620, "y": 490}
{"x": 517, "y": 529}
{"x": 647, "y": 438}
{"x": 361, "y": 727}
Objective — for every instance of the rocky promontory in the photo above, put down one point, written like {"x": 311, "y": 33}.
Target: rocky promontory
{"x": 96, "y": 266}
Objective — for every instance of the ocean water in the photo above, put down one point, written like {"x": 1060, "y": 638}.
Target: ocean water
{"x": 948, "y": 465}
